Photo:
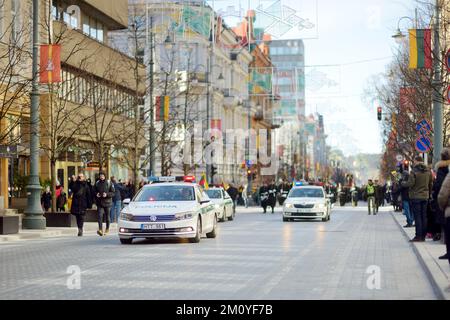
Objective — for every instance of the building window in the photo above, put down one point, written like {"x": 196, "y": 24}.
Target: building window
{"x": 15, "y": 17}
{"x": 93, "y": 28}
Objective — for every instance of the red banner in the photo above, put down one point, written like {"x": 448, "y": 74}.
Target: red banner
{"x": 50, "y": 67}
{"x": 216, "y": 124}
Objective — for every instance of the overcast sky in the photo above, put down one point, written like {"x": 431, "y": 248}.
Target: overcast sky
{"x": 350, "y": 42}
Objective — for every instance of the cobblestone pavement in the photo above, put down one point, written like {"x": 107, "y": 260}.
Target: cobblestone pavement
{"x": 256, "y": 256}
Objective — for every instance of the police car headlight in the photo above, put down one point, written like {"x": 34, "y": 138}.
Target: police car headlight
{"x": 184, "y": 216}
{"x": 289, "y": 206}
{"x": 319, "y": 206}
{"x": 126, "y": 216}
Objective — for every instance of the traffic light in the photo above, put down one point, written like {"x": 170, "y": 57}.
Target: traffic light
{"x": 379, "y": 113}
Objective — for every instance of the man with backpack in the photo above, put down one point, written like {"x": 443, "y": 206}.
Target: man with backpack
{"x": 103, "y": 192}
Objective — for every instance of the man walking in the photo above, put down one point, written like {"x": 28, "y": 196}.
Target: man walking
{"x": 233, "y": 192}
{"x": 104, "y": 192}
{"x": 370, "y": 194}
{"x": 82, "y": 200}
{"x": 420, "y": 183}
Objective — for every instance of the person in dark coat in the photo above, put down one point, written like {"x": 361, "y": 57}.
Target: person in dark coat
{"x": 46, "y": 199}
{"x": 81, "y": 201}
{"x": 130, "y": 190}
{"x": 264, "y": 196}
{"x": 272, "y": 200}
{"x": 442, "y": 169}
{"x": 234, "y": 193}
{"x": 104, "y": 192}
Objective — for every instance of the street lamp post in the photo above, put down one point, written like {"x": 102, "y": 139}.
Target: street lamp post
{"x": 151, "y": 89}
{"x": 34, "y": 215}
{"x": 437, "y": 84}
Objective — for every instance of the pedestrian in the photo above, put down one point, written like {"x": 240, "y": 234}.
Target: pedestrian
{"x": 370, "y": 196}
{"x": 272, "y": 200}
{"x": 130, "y": 190}
{"x": 116, "y": 201}
{"x": 104, "y": 192}
{"x": 404, "y": 191}
{"x": 245, "y": 195}
{"x": 46, "y": 199}
{"x": 420, "y": 184}
{"x": 61, "y": 202}
{"x": 442, "y": 170}
{"x": 81, "y": 201}
{"x": 444, "y": 205}
{"x": 378, "y": 196}
{"x": 233, "y": 192}
{"x": 264, "y": 196}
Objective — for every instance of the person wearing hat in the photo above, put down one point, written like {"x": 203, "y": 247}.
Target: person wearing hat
{"x": 103, "y": 192}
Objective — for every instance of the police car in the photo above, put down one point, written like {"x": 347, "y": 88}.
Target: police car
{"x": 168, "y": 209}
{"x": 223, "y": 203}
{"x": 307, "y": 202}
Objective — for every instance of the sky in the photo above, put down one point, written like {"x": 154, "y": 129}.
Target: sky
{"x": 349, "y": 43}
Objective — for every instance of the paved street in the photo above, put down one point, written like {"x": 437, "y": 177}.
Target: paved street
{"x": 254, "y": 257}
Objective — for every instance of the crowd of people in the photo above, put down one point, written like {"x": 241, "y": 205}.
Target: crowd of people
{"x": 423, "y": 196}
{"x": 106, "y": 196}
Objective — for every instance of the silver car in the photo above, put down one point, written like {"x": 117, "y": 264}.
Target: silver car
{"x": 307, "y": 202}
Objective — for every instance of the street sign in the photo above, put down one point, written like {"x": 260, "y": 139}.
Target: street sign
{"x": 8, "y": 151}
{"x": 423, "y": 144}
{"x": 424, "y": 126}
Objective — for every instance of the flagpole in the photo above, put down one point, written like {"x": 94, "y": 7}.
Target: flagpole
{"x": 34, "y": 215}
{"x": 437, "y": 84}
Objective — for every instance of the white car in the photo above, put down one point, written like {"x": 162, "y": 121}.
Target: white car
{"x": 168, "y": 210}
{"x": 307, "y": 202}
{"x": 223, "y": 203}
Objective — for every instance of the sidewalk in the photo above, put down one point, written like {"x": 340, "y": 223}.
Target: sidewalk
{"x": 428, "y": 253}
{"x": 90, "y": 228}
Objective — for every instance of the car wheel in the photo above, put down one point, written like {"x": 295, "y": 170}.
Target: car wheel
{"x": 126, "y": 241}
{"x": 329, "y": 217}
{"x": 198, "y": 235}
{"x": 213, "y": 233}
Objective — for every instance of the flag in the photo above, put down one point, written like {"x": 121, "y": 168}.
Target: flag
{"x": 162, "y": 108}
{"x": 420, "y": 49}
{"x": 50, "y": 63}
{"x": 203, "y": 182}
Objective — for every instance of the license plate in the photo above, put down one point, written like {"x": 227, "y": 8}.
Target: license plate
{"x": 304, "y": 211}
{"x": 153, "y": 227}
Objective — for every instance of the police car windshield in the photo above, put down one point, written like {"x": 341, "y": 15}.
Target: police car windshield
{"x": 306, "y": 193}
{"x": 166, "y": 193}
{"x": 214, "y": 194}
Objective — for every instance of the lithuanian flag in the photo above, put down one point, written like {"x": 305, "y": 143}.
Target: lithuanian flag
{"x": 162, "y": 108}
{"x": 203, "y": 182}
{"x": 420, "y": 49}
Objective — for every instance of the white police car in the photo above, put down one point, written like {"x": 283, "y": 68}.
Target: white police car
{"x": 168, "y": 210}
{"x": 223, "y": 203}
{"x": 307, "y": 202}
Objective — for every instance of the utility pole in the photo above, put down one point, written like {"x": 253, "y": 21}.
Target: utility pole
{"x": 208, "y": 127}
{"x": 34, "y": 215}
{"x": 152, "y": 109}
{"x": 437, "y": 84}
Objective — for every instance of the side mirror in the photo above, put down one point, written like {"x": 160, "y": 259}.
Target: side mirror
{"x": 126, "y": 202}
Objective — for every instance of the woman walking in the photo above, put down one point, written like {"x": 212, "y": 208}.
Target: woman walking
{"x": 81, "y": 201}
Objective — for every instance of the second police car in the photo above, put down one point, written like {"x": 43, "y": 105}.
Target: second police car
{"x": 168, "y": 209}
{"x": 222, "y": 202}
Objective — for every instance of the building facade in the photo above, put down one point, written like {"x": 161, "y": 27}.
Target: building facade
{"x": 84, "y": 116}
